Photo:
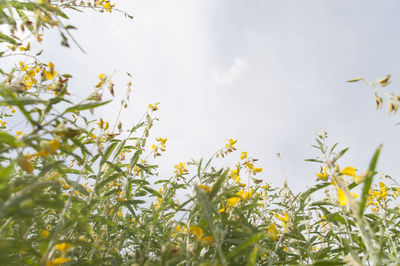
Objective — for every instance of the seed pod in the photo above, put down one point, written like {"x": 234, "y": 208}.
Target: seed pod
{"x": 378, "y": 101}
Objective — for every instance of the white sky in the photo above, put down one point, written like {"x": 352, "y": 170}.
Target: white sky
{"x": 268, "y": 73}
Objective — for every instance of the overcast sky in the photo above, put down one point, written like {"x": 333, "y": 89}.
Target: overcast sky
{"x": 271, "y": 74}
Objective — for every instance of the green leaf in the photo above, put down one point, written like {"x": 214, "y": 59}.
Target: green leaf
{"x": 253, "y": 256}
{"x": 152, "y": 191}
{"x": 217, "y": 185}
{"x": 49, "y": 167}
{"x": 85, "y": 106}
{"x": 107, "y": 153}
{"x": 135, "y": 159}
{"x": 10, "y": 140}
{"x": 107, "y": 180}
{"x": 120, "y": 147}
{"x": 303, "y": 196}
{"x": 5, "y": 38}
{"x": 368, "y": 180}
{"x": 254, "y": 239}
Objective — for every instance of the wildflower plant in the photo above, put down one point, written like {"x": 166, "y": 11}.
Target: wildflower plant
{"x": 76, "y": 189}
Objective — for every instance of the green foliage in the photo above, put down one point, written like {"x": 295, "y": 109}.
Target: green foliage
{"x": 74, "y": 190}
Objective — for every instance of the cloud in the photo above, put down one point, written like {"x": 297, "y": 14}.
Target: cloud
{"x": 228, "y": 77}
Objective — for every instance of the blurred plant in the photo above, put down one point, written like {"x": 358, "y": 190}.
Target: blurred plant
{"x": 76, "y": 189}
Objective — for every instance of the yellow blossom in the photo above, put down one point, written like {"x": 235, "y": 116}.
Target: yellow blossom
{"x": 51, "y": 73}
{"x": 273, "y": 231}
{"x": 342, "y": 197}
{"x": 49, "y": 147}
{"x": 154, "y": 107}
{"x": 63, "y": 247}
{"x": 249, "y": 165}
{"x": 244, "y": 195}
{"x": 162, "y": 141}
{"x": 383, "y": 190}
{"x": 45, "y": 233}
{"x": 180, "y": 169}
{"x": 27, "y": 48}
{"x": 243, "y": 155}
{"x": 233, "y": 201}
{"x": 207, "y": 241}
{"x": 230, "y": 146}
{"x": 197, "y": 231}
{"x": 65, "y": 185}
{"x": 323, "y": 176}
{"x": 23, "y": 66}
{"x": 349, "y": 171}
{"x": 343, "y": 200}
{"x": 25, "y": 164}
{"x": 360, "y": 178}
{"x": 60, "y": 260}
{"x": 205, "y": 188}
{"x": 257, "y": 170}
{"x": 235, "y": 173}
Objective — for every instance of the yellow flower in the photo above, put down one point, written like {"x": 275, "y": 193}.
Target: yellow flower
{"x": 273, "y": 231}
{"x": 249, "y": 165}
{"x": 23, "y": 66}
{"x": 223, "y": 208}
{"x": 162, "y": 141}
{"x": 349, "y": 171}
{"x": 197, "y": 231}
{"x": 51, "y": 73}
{"x": 244, "y": 195}
{"x": 257, "y": 170}
{"x": 230, "y": 146}
{"x": 103, "y": 78}
{"x": 63, "y": 247}
{"x": 100, "y": 123}
{"x": 205, "y": 188}
{"x": 25, "y": 164}
{"x": 65, "y": 185}
{"x": 60, "y": 260}
{"x": 233, "y": 201}
{"x": 343, "y": 200}
{"x": 180, "y": 169}
{"x": 158, "y": 204}
{"x": 207, "y": 241}
{"x": 323, "y": 176}
{"x": 49, "y": 147}
{"x": 360, "y": 178}
{"x": 383, "y": 190}
{"x": 342, "y": 197}
{"x": 235, "y": 174}
{"x": 285, "y": 218}
{"x": 27, "y": 48}
{"x": 243, "y": 155}
{"x": 45, "y": 233}
{"x": 154, "y": 107}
